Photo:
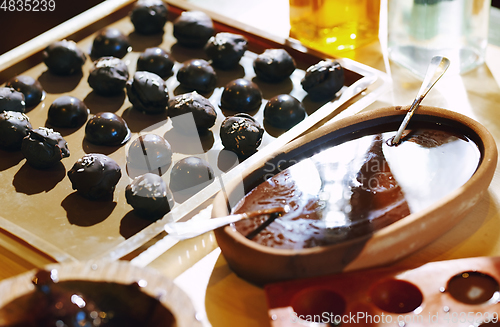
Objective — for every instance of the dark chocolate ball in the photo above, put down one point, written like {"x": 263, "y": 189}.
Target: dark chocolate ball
{"x": 110, "y": 42}
{"x": 148, "y": 93}
{"x": 14, "y": 127}
{"x": 323, "y": 80}
{"x": 190, "y": 175}
{"x": 156, "y": 60}
{"x": 108, "y": 76}
{"x": 193, "y": 28}
{"x": 43, "y": 148}
{"x": 30, "y": 87}
{"x": 95, "y": 176}
{"x": 241, "y": 95}
{"x": 149, "y": 196}
{"x": 149, "y": 16}
{"x": 64, "y": 58}
{"x": 274, "y": 65}
{"x": 11, "y": 100}
{"x": 149, "y": 152}
{"x": 203, "y": 111}
{"x": 106, "y": 128}
{"x": 197, "y": 75}
{"x": 284, "y": 111}
{"x": 67, "y": 111}
{"x": 241, "y": 134}
{"x": 226, "y": 49}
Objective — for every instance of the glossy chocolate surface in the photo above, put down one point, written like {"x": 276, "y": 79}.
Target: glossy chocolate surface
{"x": 110, "y": 42}
{"x": 43, "y": 148}
{"x": 191, "y": 175}
{"x": 11, "y": 100}
{"x": 241, "y": 95}
{"x": 226, "y": 49}
{"x": 64, "y": 58}
{"x": 193, "y": 28}
{"x": 67, "y": 111}
{"x": 274, "y": 65}
{"x": 149, "y": 152}
{"x": 149, "y": 196}
{"x": 241, "y": 134}
{"x": 201, "y": 108}
{"x": 148, "y": 93}
{"x": 284, "y": 111}
{"x": 156, "y": 60}
{"x": 472, "y": 287}
{"x": 149, "y": 16}
{"x": 14, "y": 126}
{"x": 197, "y": 75}
{"x": 323, "y": 80}
{"x": 106, "y": 128}
{"x": 108, "y": 76}
{"x": 30, "y": 87}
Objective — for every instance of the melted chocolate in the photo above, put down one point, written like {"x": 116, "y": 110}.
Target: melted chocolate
{"x": 67, "y": 111}
{"x": 106, "y": 128}
{"x": 472, "y": 287}
{"x": 274, "y": 65}
{"x": 43, "y": 148}
{"x": 241, "y": 95}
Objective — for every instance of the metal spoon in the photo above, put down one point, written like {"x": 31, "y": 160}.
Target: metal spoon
{"x": 436, "y": 69}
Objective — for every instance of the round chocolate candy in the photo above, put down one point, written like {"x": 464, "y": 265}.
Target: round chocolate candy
{"x": 241, "y": 134}
{"x": 156, "y": 60}
{"x": 190, "y": 175}
{"x": 149, "y": 16}
{"x": 95, "y": 176}
{"x": 106, "y": 128}
{"x": 193, "y": 28}
{"x": 110, "y": 42}
{"x": 149, "y": 196}
{"x": 14, "y": 127}
{"x": 226, "y": 49}
{"x": 284, "y": 111}
{"x": 11, "y": 100}
{"x": 203, "y": 111}
{"x": 108, "y": 76}
{"x": 274, "y": 65}
{"x": 64, "y": 58}
{"x": 67, "y": 111}
{"x": 30, "y": 87}
{"x": 149, "y": 152}
{"x": 323, "y": 80}
{"x": 241, "y": 95}
{"x": 43, "y": 148}
{"x": 197, "y": 75}
{"x": 148, "y": 93}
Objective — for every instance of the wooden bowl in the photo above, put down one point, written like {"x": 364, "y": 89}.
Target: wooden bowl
{"x": 262, "y": 264}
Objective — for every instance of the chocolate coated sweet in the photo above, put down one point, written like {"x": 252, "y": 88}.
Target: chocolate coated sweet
{"x": 190, "y": 175}
{"x": 149, "y": 196}
{"x": 108, "y": 76}
{"x": 14, "y": 126}
{"x": 156, "y": 60}
{"x": 95, "y": 176}
{"x": 64, "y": 58}
{"x": 323, "y": 80}
{"x": 241, "y": 134}
{"x": 203, "y": 111}
{"x": 193, "y": 28}
{"x": 197, "y": 75}
{"x": 148, "y": 93}
{"x": 30, "y": 87}
{"x": 110, "y": 42}
{"x": 43, "y": 148}
{"x": 241, "y": 95}
{"x": 274, "y": 65}
{"x": 11, "y": 100}
{"x": 226, "y": 49}
{"x": 67, "y": 111}
{"x": 149, "y": 16}
{"x": 106, "y": 128}
{"x": 284, "y": 111}
{"x": 149, "y": 152}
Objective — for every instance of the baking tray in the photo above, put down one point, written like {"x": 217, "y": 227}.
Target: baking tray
{"x": 40, "y": 207}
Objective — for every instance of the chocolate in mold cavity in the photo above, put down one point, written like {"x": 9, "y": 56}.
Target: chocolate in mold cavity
{"x": 226, "y": 49}
{"x": 190, "y": 175}
{"x": 149, "y": 16}
{"x": 148, "y": 93}
{"x": 67, "y": 111}
{"x": 156, "y": 60}
{"x": 30, "y": 87}
{"x": 150, "y": 152}
{"x": 197, "y": 75}
{"x": 149, "y": 196}
{"x": 323, "y": 80}
{"x": 43, "y": 148}
{"x": 193, "y": 28}
{"x": 241, "y": 134}
{"x": 14, "y": 127}
{"x": 241, "y": 95}
{"x": 64, "y": 58}
{"x": 472, "y": 287}
{"x": 106, "y": 128}
{"x": 284, "y": 111}
{"x": 108, "y": 76}
{"x": 201, "y": 108}
{"x": 11, "y": 100}
{"x": 274, "y": 65}
{"x": 95, "y": 176}
{"x": 110, "y": 42}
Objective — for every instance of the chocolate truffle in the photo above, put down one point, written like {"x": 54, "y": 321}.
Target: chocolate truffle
{"x": 108, "y": 76}
{"x": 64, "y": 58}
{"x": 203, "y": 111}
{"x": 197, "y": 75}
{"x": 11, "y": 100}
{"x": 241, "y": 95}
{"x": 284, "y": 111}
{"x": 149, "y": 152}
{"x": 148, "y": 93}
{"x": 110, "y": 42}
{"x": 67, "y": 111}
{"x": 241, "y": 134}
{"x": 193, "y": 28}
{"x": 226, "y": 49}
{"x": 274, "y": 65}
{"x": 43, "y": 148}
{"x": 30, "y": 87}
{"x": 323, "y": 80}
{"x": 95, "y": 176}
{"x": 106, "y": 128}
{"x": 149, "y": 16}
{"x": 156, "y": 60}
{"x": 149, "y": 196}
{"x": 14, "y": 126}
{"x": 190, "y": 175}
